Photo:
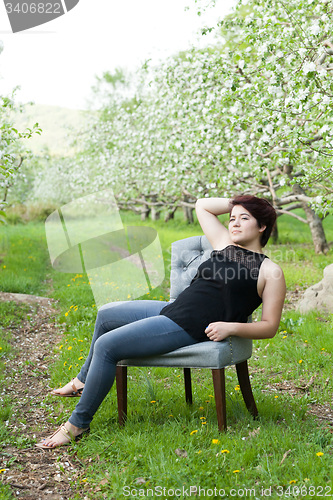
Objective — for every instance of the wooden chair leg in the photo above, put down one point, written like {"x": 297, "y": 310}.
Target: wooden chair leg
{"x": 219, "y": 391}
{"x": 245, "y": 385}
{"x": 188, "y": 385}
{"x": 121, "y": 383}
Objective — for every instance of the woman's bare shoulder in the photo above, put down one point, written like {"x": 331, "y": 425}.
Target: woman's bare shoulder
{"x": 271, "y": 269}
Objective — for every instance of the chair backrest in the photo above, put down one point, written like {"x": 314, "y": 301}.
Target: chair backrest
{"x": 186, "y": 257}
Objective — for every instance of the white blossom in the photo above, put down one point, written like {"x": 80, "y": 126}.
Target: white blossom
{"x": 309, "y": 66}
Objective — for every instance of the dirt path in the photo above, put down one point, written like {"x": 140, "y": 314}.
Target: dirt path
{"x": 33, "y": 473}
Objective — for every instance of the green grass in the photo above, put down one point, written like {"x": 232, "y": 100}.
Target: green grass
{"x": 24, "y": 259}
{"x": 290, "y": 372}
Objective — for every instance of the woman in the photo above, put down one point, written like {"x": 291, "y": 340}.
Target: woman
{"x": 228, "y": 287}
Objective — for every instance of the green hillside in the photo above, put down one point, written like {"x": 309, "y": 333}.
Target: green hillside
{"x": 58, "y": 125}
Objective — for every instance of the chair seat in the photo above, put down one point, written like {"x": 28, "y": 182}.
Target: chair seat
{"x": 208, "y": 354}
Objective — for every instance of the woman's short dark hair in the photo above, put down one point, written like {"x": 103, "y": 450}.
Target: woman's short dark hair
{"x": 261, "y": 210}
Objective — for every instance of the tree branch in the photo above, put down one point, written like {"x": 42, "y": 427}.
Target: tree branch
{"x": 271, "y": 188}
{"x": 294, "y": 198}
{"x": 273, "y": 150}
{"x": 310, "y": 141}
{"x": 281, "y": 211}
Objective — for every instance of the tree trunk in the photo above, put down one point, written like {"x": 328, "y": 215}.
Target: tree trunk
{"x": 275, "y": 233}
{"x": 155, "y": 210}
{"x": 188, "y": 211}
{"x": 315, "y": 224}
{"x": 145, "y": 210}
{"x": 170, "y": 214}
{"x": 317, "y": 230}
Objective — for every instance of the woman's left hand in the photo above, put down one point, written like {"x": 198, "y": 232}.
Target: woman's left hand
{"x": 218, "y": 331}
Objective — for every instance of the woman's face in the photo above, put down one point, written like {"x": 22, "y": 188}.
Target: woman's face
{"x": 243, "y": 227}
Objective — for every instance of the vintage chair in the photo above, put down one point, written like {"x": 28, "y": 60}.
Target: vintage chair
{"x": 186, "y": 256}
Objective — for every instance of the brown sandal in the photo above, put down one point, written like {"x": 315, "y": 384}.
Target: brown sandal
{"x": 75, "y": 394}
{"x": 65, "y": 433}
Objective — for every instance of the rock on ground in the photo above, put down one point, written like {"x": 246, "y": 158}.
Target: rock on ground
{"x": 319, "y": 296}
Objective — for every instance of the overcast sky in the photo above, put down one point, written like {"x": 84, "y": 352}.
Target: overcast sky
{"x": 56, "y": 63}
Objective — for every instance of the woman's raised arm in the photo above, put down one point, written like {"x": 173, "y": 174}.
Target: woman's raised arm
{"x": 207, "y": 210}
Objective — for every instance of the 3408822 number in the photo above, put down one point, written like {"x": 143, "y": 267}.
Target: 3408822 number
{"x": 33, "y": 8}
{"x": 305, "y": 491}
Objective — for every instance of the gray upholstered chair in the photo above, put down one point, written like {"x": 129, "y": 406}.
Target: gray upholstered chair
{"x": 186, "y": 256}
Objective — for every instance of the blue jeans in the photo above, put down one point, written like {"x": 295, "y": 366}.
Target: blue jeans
{"x": 123, "y": 330}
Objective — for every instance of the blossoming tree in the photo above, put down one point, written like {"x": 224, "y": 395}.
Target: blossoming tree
{"x": 12, "y": 151}
{"x": 251, "y": 114}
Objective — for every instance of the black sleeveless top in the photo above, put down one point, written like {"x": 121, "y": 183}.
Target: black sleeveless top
{"x": 224, "y": 289}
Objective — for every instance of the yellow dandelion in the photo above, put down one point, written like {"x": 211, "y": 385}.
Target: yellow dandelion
{"x": 319, "y": 454}
{"x": 284, "y": 337}
{"x": 66, "y": 314}
{"x": 201, "y": 408}
{"x": 215, "y": 441}
{"x": 292, "y": 481}
{"x": 323, "y": 348}
{"x": 171, "y": 416}
{"x": 306, "y": 341}
{"x": 202, "y": 418}
{"x": 237, "y": 388}
{"x": 68, "y": 285}
{"x": 193, "y": 432}
{"x": 70, "y": 367}
{"x": 65, "y": 363}
{"x": 225, "y": 451}
{"x": 210, "y": 396}
{"x": 69, "y": 348}
{"x": 276, "y": 397}
{"x": 235, "y": 471}
{"x": 198, "y": 452}
{"x": 153, "y": 401}
{"x": 61, "y": 346}
{"x": 0, "y": 348}
{"x": 203, "y": 423}
{"x": 2, "y": 470}
{"x": 80, "y": 340}
{"x": 300, "y": 361}
{"x": 81, "y": 357}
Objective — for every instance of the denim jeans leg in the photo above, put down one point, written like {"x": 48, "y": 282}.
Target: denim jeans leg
{"x": 116, "y": 314}
{"x": 146, "y": 337}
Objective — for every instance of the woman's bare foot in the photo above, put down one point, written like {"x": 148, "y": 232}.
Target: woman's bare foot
{"x": 62, "y": 436}
{"x": 73, "y": 389}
